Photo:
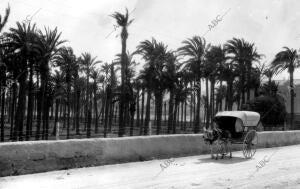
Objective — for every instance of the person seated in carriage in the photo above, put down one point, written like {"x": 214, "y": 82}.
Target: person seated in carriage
{"x": 238, "y": 125}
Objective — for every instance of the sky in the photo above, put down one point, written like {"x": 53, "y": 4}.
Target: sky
{"x": 88, "y": 26}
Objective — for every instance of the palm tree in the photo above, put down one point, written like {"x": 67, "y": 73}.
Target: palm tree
{"x": 269, "y": 73}
{"x": 128, "y": 89}
{"x": 145, "y": 76}
{"x": 220, "y": 95}
{"x": 171, "y": 76}
{"x": 229, "y": 73}
{"x": 49, "y": 43}
{"x": 243, "y": 54}
{"x": 58, "y": 81}
{"x": 24, "y": 40}
{"x": 123, "y": 21}
{"x": 97, "y": 78}
{"x": 66, "y": 60}
{"x": 138, "y": 87}
{"x": 87, "y": 64}
{"x": 255, "y": 80}
{"x": 181, "y": 93}
{"x": 215, "y": 58}
{"x": 155, "y": 54}
{"x": 12, "y": 67}
{"x": 3, "y": 70}
{"x": 288, "y": 59}
{"x": 194, "y": 50}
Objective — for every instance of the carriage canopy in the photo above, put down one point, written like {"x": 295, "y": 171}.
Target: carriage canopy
{"x": 248, "y": 118}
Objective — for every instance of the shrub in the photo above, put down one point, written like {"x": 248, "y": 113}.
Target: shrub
{"x": 271, "y": 108}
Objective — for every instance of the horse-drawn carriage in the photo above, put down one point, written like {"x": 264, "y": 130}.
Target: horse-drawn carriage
{"x": 233, "y": 127}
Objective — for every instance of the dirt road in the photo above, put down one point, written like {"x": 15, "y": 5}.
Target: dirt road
{"x": 270, "y": 168}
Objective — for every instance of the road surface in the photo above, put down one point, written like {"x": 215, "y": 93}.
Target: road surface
{"x": 270, "y": 168}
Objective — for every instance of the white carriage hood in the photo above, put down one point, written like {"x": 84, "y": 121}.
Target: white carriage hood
{"x": 248, "y": 118}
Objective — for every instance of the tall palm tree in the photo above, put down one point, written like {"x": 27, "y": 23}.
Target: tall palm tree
{"x": 66, "y": 60}
{"x": 243, "y": 54}
{"x": 58, "y": 79}
{"x": 3, "y": 70}
{"x": 255, "y": 80}
{"x": 288, "y": 59}
{"x": 97, "y": 78}
{"x": 10, "y": 72}
{"x": 181, "y": 93}
{"x": 171, "y": 76}
{"x": 155, "y": 54}
{"x": 229, "y": 73}
{"x": 87, "y": 64}
{"x": 194, "y": 50}
{"x": 24, "y": 40}
{"x": 146, "y": 75}
{"x": 215, "y": 58}
{"x": 123, "y": 21}
{"x": 49, "y": 44}
{"x": 129, "y": 82}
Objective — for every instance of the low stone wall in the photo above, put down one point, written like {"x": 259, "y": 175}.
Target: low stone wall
{"x": 41, "y": 156}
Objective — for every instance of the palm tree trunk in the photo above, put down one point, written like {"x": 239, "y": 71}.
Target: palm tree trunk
{"x": 212, "y": 99}
{"x": 2, "y": 92}
{"x": 131, "y": 122}
{"x": 175, "y": 117}
{"x": 248, "y": 81}
{"x": 221, "y": 99}
{"x": 46, "y": 120}
{"x": 165, "y": 113}
{"x": 89, "y": 122}
{"x": 292, "y": 98}
{"x": 123, "y": 68}
{"x": 197, "y": 115}
{"x": 147, "y": 118}
{"x": 64, "y": 114}
{"x": 243, "y": 90}
{"x": 230, "y": 95}
{"x": 111, "y": 115}
{"x": 95, "y": 108}
{"x": 55, "y": 117}
{"x": 20, "y": 109}
{"x": 159, "y": 102}
{"x": 171, "y": 111}
{"x": 77, "y": 112}
{"x": 185, "y": 105}
{"x": 13, "y": 107}
{"x": 30, "y": 104}
{"x": 44, "y": 106}
{"x": 207, "y": 104}
{"x": 68, "y": 106}
{"x": 191, "y": 111}
{"x": 106, "y": 109}
{"x": 155, "y": 111}
{"x": 138, "y": 108}
{"x": 182, "y": 107}
{"x": 142, "y": 111}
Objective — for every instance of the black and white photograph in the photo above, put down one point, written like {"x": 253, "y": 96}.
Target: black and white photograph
{"x": 149, "y": 94}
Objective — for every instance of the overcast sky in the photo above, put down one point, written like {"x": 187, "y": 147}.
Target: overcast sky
{"x": 270, "y": 24}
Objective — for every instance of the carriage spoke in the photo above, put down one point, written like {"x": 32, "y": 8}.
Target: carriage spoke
{"x": 249, "y": 144}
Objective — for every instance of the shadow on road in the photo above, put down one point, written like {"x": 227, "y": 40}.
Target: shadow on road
{"x": 226, "y": 160}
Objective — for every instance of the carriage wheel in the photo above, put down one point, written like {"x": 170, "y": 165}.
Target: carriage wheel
{"x": 249, "y": 144}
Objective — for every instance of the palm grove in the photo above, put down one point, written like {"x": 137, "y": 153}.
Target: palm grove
{"x": 44, "y": 84}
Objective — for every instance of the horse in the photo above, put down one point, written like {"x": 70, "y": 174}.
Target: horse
{"x": 220, "y": 139}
